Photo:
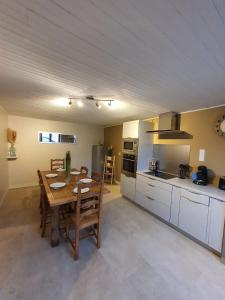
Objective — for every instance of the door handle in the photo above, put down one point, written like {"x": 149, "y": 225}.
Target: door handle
{"x": 151, "y": 185}
{"x": 194, "y": 201}
{"x": 150, "y": 198}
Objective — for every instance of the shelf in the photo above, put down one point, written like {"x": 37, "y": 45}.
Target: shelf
{"x": 11, "y": 157}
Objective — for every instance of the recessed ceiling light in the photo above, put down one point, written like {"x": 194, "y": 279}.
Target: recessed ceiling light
{"x": 80, "y": 103}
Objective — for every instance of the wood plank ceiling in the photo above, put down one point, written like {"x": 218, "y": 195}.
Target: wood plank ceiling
{"x": 152, "y": 55}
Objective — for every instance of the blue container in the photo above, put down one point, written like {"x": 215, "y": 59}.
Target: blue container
{"x": 194, "y": 176}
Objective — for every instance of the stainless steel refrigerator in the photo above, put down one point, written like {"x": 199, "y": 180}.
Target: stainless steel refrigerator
{"x": 98, "y": 157}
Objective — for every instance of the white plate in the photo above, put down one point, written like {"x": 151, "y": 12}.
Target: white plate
{"x": 75, "y": 173}
{"x": 84, "y": 190}
{"x": 51, "y": 175}
{"x": 57, "y": 185}
{"x": 86, "y": 180}
{"x": 60, "y": 170}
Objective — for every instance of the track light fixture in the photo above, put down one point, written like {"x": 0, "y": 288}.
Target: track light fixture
{"x": 98, "y": 105}
{"x": 96, "y": 100}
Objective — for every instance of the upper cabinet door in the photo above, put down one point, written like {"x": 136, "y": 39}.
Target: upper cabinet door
{"x": 130, "y": 129}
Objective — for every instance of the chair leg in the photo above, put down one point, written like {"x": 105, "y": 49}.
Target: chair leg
{"x": 44, "y": 217}
{"x": 41, "y": 224}
{"x": 98, "y": 236}
{"x": 76, "y": 243}
{"x": 67, "y": 231}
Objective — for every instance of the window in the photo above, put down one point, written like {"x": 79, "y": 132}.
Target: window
{"x": 56, "y": 138}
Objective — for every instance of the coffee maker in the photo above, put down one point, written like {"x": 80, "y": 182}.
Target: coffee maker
{"x": 202, "y": 176}
{"x": 183, "y": 171}
{"x": 153, "y": 165}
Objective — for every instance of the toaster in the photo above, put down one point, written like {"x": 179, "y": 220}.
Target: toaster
{"x": 222, "y": 183}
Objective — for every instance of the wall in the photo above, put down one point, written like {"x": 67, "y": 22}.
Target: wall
{"x": 33, "y": 155}
{"x": 3, "y": 154}
{"x": 113, "y": 137}
{"x": 201, "y": 124}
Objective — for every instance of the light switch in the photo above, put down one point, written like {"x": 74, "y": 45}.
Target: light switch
{"x": 201, "y": 155}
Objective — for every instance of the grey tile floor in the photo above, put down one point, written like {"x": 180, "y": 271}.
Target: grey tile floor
{"x": 140, "y": 258}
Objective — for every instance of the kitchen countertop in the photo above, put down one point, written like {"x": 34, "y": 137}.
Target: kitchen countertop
{"x": 208, "y": 190}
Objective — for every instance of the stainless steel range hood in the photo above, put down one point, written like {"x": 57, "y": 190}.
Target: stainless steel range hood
{"x": 169, "y": 126}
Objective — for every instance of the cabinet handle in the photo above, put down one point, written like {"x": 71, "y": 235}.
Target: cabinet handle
{"x": 151, "y": 185}
{"x": 194, "y": 201}
{"x": 195, "y": 193}
{"x": 150, "y": 198}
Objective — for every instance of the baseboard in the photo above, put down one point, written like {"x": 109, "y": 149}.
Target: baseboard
{"x": 3, "y": 198}
{"x": 23, "y": 185}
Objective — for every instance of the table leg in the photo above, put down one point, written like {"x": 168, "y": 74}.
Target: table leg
{"x": 55, "y": 227}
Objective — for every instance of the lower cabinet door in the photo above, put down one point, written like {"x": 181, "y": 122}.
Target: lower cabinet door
{"x": 127, "y": 186}
{"x": 193, "y": 218}
{"x": 158, "y": 208}
{"x": 216, "y": 224}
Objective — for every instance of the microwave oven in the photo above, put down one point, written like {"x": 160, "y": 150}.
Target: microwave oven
{"x": 130, "y": 145}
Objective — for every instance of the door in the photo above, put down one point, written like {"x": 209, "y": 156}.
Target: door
{"x": 193, "y": 217}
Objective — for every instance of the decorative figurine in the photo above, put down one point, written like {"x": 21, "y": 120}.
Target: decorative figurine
{"x": 11, "y": 136}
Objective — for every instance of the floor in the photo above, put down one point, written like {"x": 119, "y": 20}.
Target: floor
{"x": 140, "y": 258}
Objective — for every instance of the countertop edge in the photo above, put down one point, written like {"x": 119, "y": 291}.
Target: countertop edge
{"x": 209, "y": 190}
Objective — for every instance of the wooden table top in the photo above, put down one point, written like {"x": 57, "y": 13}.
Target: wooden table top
{"x": 63, "y": 195}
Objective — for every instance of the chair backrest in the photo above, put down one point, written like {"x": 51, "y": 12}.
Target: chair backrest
{"x": 57, "y": 163}
{"x": 96, "y": 176}
{"x": 90, "y": 202}
{"x": 39, "y": 177}
{"x": 84, "y": 170}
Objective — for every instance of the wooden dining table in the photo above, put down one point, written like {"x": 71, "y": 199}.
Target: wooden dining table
{"x": 59, "y": 197}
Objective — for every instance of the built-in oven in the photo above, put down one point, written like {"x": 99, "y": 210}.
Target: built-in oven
{"x": 129, "y": 164}
{"x": 130, "y": 145}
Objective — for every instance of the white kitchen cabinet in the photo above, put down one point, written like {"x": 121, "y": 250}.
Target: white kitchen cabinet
{"x": 216, "y": 224}
{"x": 175, "y": 206}
{"x": 127, "y": 186}
{"x": 193, "y": 214}
{"x": 153, "y": 205}
{"x": 131, "y": 129}
{"x": 154, "y": 196}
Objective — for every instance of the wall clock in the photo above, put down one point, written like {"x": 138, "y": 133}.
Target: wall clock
{"x": 220, "y": 126}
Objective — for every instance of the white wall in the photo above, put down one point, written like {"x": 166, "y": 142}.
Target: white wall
{"x": 33, "y": 155}
{"x": 3, "y": 154}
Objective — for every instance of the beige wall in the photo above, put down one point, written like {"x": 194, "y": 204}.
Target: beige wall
{"x": 201, "y": 125}
{"x": 113, "y": 137}
{"x": 33, "y": 155}
{"x": 3, "y": 154}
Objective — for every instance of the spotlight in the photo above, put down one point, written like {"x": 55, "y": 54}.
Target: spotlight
{"x": 70, "y": 102}
{"x": 80, "y": 103}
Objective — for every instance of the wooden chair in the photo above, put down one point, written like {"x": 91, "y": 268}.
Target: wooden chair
{"x": 41, "y": 192}
{"x": 97, "y": 176}
{"x": 84, "y": 170}
{"x": 57, "y": 163}
{"x": 45, "y": 208}
{"x": 87, "y": 215}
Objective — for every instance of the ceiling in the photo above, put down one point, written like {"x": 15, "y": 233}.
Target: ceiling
{"x": 152, "y": 55}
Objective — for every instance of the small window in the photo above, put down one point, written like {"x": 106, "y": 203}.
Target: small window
{"x": 56, "y": 138}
